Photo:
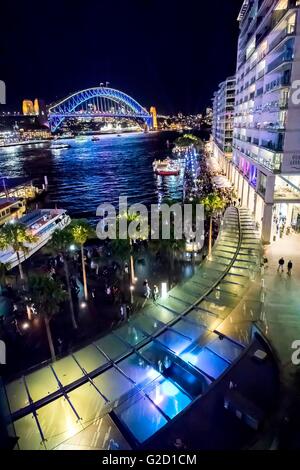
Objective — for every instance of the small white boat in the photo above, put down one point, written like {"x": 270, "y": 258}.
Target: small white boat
{"x": 42, "y": 223}
{"x": 60, "y": 146}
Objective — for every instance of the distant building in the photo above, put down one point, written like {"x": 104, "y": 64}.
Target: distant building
{"x": 207, "y": 119}
{"x": 28, "y": 108}
{"x": 222, "y": 121}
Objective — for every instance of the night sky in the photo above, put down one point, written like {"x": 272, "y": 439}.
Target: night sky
{"x": 171, "y": 54}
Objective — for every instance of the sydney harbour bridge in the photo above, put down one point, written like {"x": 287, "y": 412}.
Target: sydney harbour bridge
{"x": 99, "y": 102}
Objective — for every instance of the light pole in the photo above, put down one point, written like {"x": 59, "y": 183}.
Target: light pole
{"x": 131, "y": 294}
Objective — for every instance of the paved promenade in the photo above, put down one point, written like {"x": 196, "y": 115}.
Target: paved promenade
{"x": 281, "y": 319}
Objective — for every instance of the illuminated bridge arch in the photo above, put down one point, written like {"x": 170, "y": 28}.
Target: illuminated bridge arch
{"x": 97, "y": 102}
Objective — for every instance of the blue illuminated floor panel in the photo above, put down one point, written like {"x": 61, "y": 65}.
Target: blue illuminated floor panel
{"x": 174, "y": 341}
{"x": 141, "y": 417}
{"x": 169, "y": 398}
{"x": 206, "y": 361}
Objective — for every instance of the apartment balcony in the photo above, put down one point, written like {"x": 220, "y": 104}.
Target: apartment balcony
{"x": 278, "y": 126}
{"x": 272, "y": 146}
{"x": 281, "y": 60}
{"x": 272, "y": 163}
{"x": 287, "y": 32}
{"x": 275, "y": 106}
{"x": 280, "y": 82}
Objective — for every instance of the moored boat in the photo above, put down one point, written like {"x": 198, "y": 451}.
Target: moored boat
{"x": 42, "y": 223}
{"x": 165, "y": 167}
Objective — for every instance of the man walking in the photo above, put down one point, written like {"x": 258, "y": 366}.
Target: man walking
{"x": 290, "y": 267}
{"x": 280, "y": 265}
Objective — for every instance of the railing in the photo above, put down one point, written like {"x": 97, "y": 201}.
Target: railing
{"x": 288, "y": 31}
{"x": 284, "y": 57}
{"x": 279, "y": 82}
{"x": 273, "y": 146}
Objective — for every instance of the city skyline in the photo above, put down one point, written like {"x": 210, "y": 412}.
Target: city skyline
{"x": 170, "y": 71}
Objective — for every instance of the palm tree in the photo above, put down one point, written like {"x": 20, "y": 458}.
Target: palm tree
{"x": 126, "y": 246}
{"x": 212, "y": 203}
{"x": 81, "y": 232}
{"x": 16, "y": 236}
{"x": 47, "y": 295}
{"x": 60, "y": 243}
{"x": 3, "y": 270}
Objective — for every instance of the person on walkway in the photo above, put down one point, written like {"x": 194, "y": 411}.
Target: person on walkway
{"x": 280, "y": 265}
{"x": 155, "y": 293}
{"x": 290, "y": 267}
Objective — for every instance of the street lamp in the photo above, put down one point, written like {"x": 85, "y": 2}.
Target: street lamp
{"x": 131, "y": 294}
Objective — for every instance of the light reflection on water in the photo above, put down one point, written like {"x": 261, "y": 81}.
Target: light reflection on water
{"x": 90, "y": 173}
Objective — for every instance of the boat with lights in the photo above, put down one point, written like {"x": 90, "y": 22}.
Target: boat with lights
{"x": 41, "y": 223}
{"x": 165, "y": 167}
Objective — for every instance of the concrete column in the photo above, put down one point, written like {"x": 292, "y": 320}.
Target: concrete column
{"x": 248, "y": 196}
{"x": 255, "y": 205}
{"x": 242, "y": 192}
{"x": 267, "y": 223}
{"x": 269, "y": 195}
{"x": 289, "y": 214}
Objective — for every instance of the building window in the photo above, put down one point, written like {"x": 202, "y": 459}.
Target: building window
{"x": 262, "y": 184}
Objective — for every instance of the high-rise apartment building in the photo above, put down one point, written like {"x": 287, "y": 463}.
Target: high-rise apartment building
{"x": 266, "y": 142}
{"x": 222, "y": 124}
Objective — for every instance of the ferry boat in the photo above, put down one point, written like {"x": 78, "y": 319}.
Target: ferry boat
{"x": 165, "y": 167}
{"x": 42, "y": 223}
{"x": 11, "y": 208}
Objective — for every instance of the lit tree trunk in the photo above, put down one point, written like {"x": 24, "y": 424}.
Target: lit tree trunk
{"x": 50, "y": 341}
{"x": 66, "y": 267}
{"x": 210, "y": 236}
{"x": 132, "y": 273}
{"x": 84, "y": 274}
{"x": 20, "y": 266}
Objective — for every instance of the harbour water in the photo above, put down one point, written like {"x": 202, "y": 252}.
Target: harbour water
{"x": 92, "y": 172}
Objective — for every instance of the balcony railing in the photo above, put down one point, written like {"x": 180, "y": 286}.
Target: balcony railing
{"x": 273, "y": 164}
{"x": 288, "y": 31}
{"x": 284, "y": 57}
{"x": 273, "y": 146}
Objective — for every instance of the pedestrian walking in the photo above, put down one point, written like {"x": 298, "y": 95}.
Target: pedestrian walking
{"x": 155, "y": 293}
{"x": 280, "y": 265}
{"x": 290, "y": 267}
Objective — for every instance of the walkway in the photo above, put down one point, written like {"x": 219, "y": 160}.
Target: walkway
{"x": 151, "y": 368}
{"x": 282, "y": 303}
